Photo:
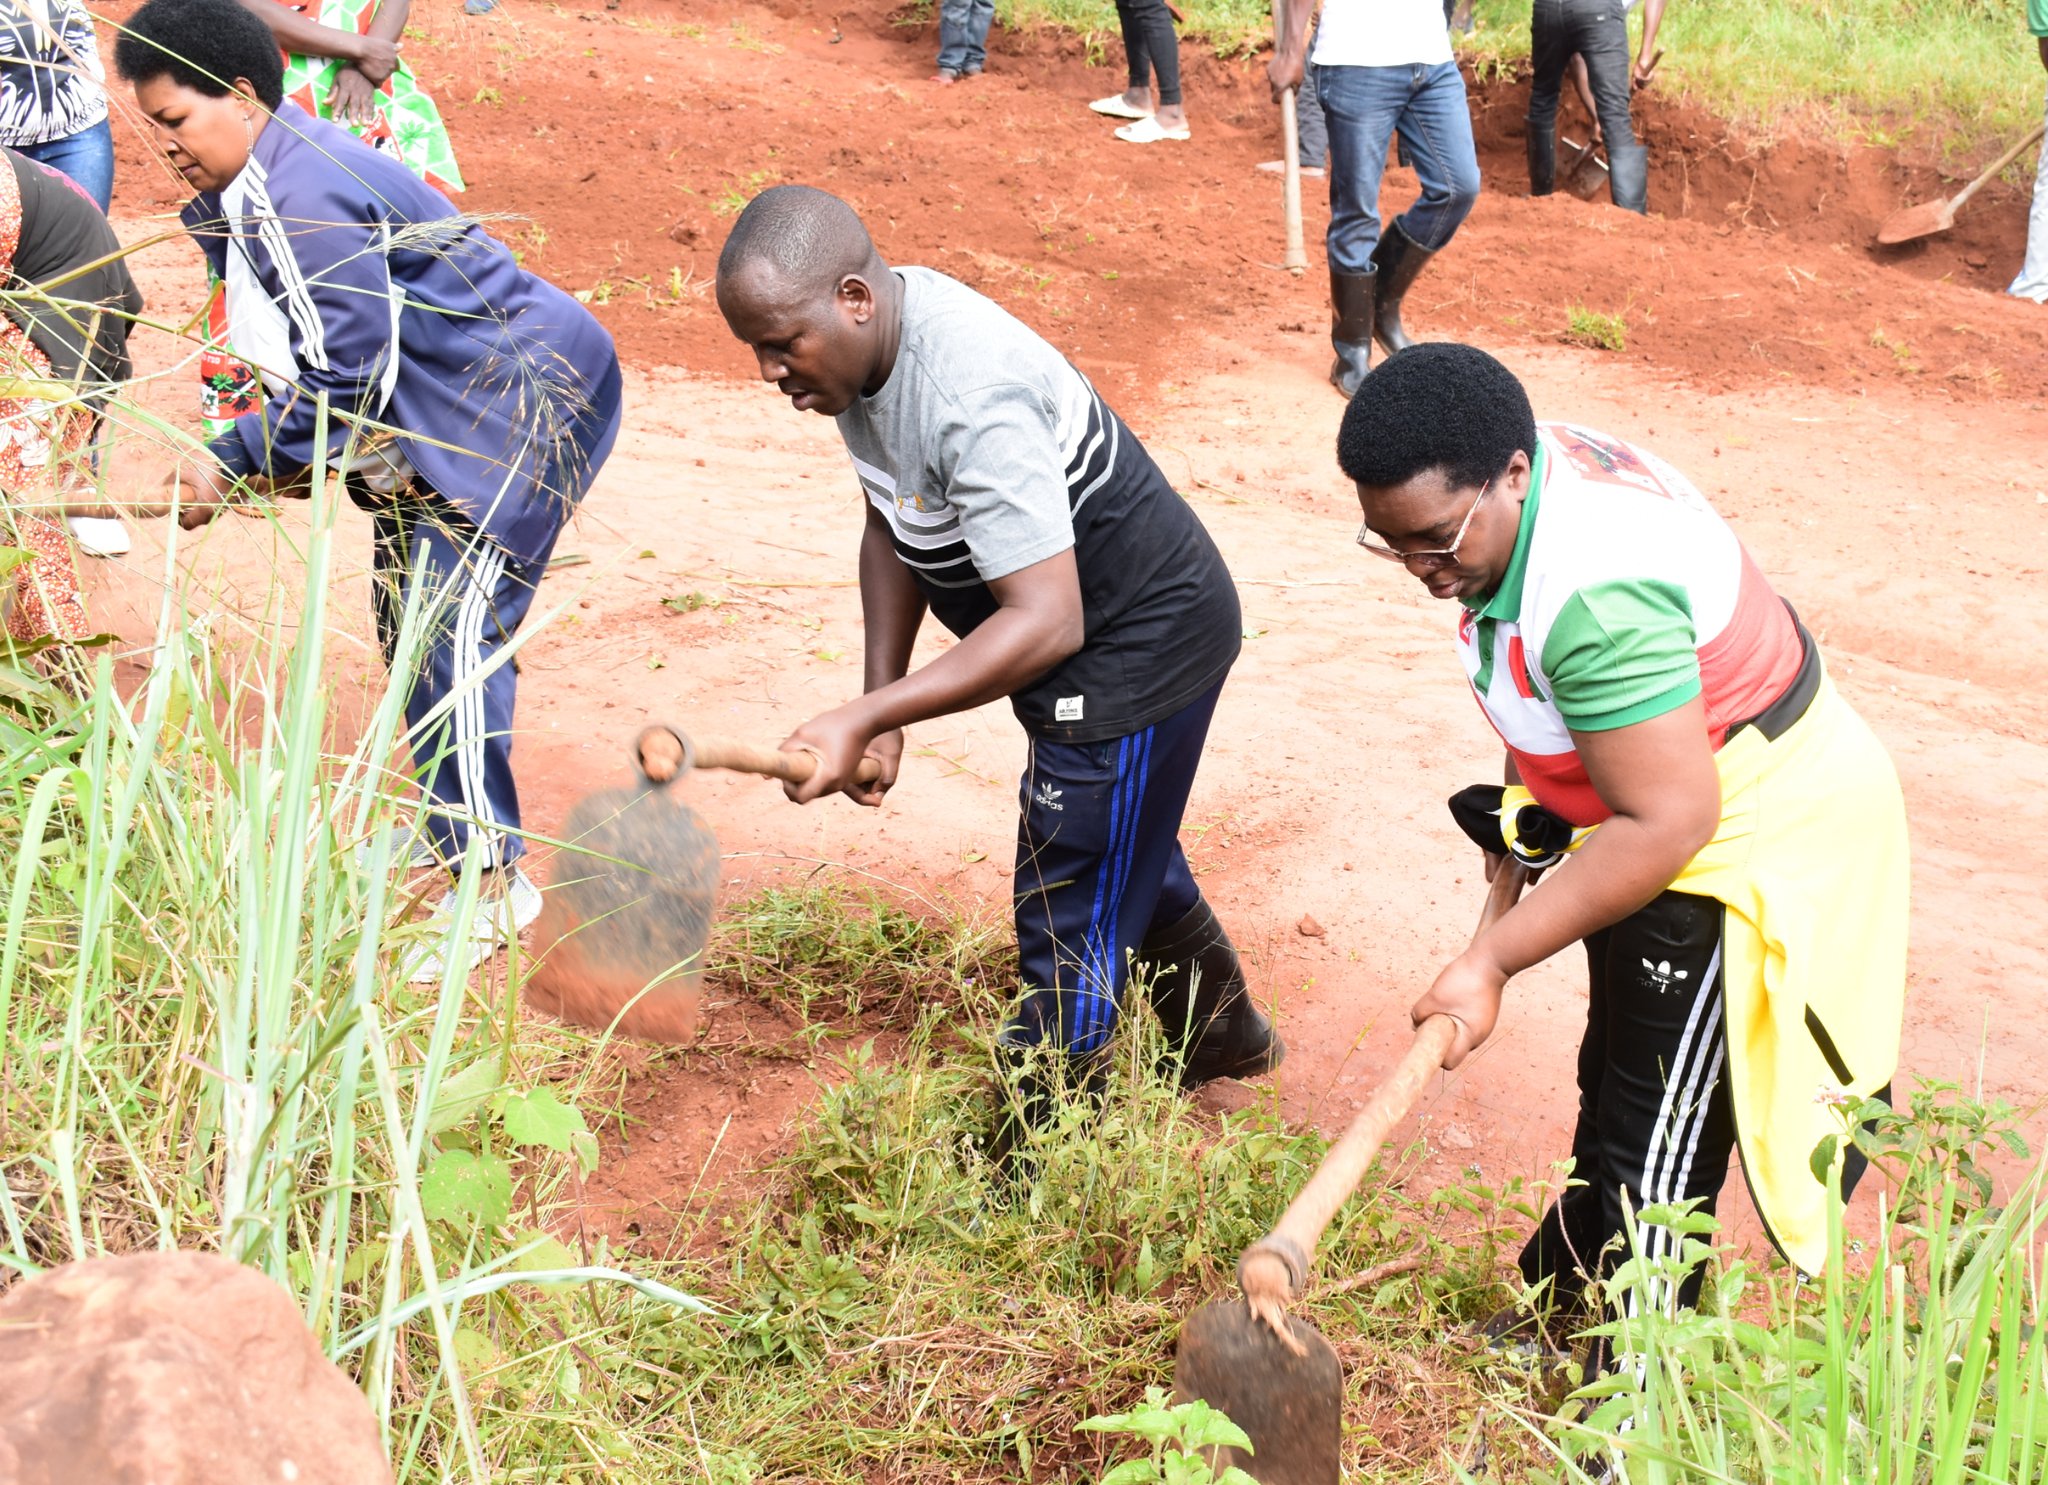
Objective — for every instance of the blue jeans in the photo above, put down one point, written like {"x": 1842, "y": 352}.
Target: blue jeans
{"x": 87, "y": 157}
{"x": 963, "y": 33}
{"x": 1363, "y": 107}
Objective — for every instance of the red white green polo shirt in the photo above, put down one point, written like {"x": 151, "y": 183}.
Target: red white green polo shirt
{"x": 1626, "y": 597}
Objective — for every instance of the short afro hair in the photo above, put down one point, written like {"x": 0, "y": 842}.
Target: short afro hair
{"x": 1438, "y": 405}
{"x": 203, "y": 45}
{"x": 810, "y": 238}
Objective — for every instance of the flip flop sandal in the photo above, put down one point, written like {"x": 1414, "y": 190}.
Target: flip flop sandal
{"x": 1116, "y": 108}
{"x": 1149, "y": 131}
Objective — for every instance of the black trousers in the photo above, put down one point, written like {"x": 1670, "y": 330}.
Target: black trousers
{"x": 1151, "y": 47}
{"x": 1598, "y": 31}
{"x": 1654, "y": 1118}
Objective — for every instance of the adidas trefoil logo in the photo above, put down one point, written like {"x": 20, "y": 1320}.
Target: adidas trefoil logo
{"x": 1049, "y": 797}
{"x": 1663, "y": 976}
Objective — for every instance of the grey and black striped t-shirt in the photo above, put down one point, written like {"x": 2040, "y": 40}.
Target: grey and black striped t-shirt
{"x": 986, "y": 451}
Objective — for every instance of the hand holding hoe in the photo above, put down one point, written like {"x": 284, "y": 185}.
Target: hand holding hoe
{"x": 622, "y": 930}
{"x": 1269, "y": 1371}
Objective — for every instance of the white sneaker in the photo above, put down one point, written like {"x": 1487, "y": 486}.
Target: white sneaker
{"x": 99, "y": 536}
{"x": 419, "y": 855}
{"x": 500, "y": 917}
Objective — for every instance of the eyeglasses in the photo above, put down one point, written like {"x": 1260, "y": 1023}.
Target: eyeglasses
{"x": 1435, "y": 557}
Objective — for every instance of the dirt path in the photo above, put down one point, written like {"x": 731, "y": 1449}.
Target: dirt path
{"x": 1889, "y": 483}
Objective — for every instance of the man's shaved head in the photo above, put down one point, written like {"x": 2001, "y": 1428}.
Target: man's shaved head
{"x": 800, "y": 282}
{"x": 808, "y": 239}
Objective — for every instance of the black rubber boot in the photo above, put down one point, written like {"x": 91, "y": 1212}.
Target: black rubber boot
{"x": 1628, "y": 176}
{"x": 1030, "y": 1079}
{"x": 1200, "y": 996}
{"x": 1542, "y": 159}
{"x": 1351, "y": 312}
{"x": 1399, "y": 259}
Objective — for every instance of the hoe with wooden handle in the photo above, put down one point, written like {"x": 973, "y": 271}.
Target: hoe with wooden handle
{"x": 621, "y": 936}
{"x": 1269, "y": 1371}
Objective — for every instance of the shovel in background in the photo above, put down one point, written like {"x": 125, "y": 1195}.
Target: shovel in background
{"x": 621, "y": 935}
{"x": 1268, "y": 1371}
{"x": 1931, "y": 217}
{"x": 1586, "y": 176}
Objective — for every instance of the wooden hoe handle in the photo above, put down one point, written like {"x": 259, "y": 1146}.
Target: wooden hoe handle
{"x": 1274, "y": 1269}
{"x": 664, "y": 753}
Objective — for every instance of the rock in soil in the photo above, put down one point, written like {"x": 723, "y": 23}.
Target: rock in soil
{"x": 173, "y": 1369}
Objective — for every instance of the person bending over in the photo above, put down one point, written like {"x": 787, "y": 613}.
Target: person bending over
{"x": 1739, "y": 878}
{"x": 1004, "y": 496}
{"x": 473, "y": 401}
{"x": 1589, "y": 40}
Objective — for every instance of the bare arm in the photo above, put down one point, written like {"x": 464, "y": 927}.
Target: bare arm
{"x": 305, "y": 37}
{"x": 1659, "y": 779}
{"x": 892, "y": 611}
{"x": 1653, "y": 17}
{"x": 1037, "y": 624}
{"x": 1290, "y": 45}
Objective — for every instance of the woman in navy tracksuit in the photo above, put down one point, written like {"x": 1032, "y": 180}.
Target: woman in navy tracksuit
{"x": 494, "y": 396}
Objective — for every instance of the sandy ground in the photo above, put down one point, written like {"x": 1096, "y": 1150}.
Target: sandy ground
{"x": 1895, "y": 496}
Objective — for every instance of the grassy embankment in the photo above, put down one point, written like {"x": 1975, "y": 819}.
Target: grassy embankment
{"x": 1961, "y": 77}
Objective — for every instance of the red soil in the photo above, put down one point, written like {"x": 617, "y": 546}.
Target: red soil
{"x": 1871, "y": 422}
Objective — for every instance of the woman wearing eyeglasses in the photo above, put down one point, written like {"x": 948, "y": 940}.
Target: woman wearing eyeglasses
{"x": 1732, "y": 836}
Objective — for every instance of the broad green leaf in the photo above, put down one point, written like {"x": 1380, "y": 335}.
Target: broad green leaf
{"x": 539, "y": 1118}
{"x": 1205, "y": 1428}
{"x": 1133, "y": 1472}
{"x": 463, "y": 1187}
{"x": 361, "y": 1260}
{"x": 462, "y": 1094}
{"x": 550, "y": 1253}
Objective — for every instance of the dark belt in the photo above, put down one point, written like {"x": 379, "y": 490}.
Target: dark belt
{"x": 1775, "y": 720}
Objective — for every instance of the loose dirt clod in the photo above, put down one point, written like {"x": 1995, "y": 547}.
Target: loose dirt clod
{"x": 173, "y": 1369}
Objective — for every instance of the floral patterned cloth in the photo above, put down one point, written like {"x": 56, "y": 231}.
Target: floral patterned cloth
{"x": 408, "y": 124}
{"x": 39, "y": 442}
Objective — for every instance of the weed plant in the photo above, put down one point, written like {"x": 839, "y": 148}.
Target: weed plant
{"x": 1916, "y": 1360}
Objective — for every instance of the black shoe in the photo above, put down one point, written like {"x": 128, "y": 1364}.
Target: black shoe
{"x": 1628, "y": 176}
{"x": 1351, "y": 318}
{"x": 1198, "y": 990}
{"x": 1542, "y": 159}
{"x": 1399, "y": 258}
{"x": 1517, "y": 1335}
{"x": 1031, "y": 1078}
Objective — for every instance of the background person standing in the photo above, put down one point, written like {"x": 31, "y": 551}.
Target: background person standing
{"x": 963, "y": 38}
{"x": 1382, "y": 67}
{"x": 2033, "y": 280}
{"x": 53, "y": 108}
{"x": 1595, "y": 32}
{"x": 1152, "y": 51}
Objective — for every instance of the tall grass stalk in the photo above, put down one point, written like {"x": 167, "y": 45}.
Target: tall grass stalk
{"x": 1917, "y": 1359}
{"x": 208, "y": 1042}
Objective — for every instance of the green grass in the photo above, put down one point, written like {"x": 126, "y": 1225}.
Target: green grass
{"x": 1959, "y": 77}
{"x": 1596, "y": 331}
{"x": 207, "y": 1044}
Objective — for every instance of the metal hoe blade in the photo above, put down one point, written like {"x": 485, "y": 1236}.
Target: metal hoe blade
{"x": 1292, "y": 1407}
{"x": 624, "y": 924}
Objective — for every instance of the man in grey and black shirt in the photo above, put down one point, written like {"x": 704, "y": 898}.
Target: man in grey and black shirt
{"x": 1007, "y": 498}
